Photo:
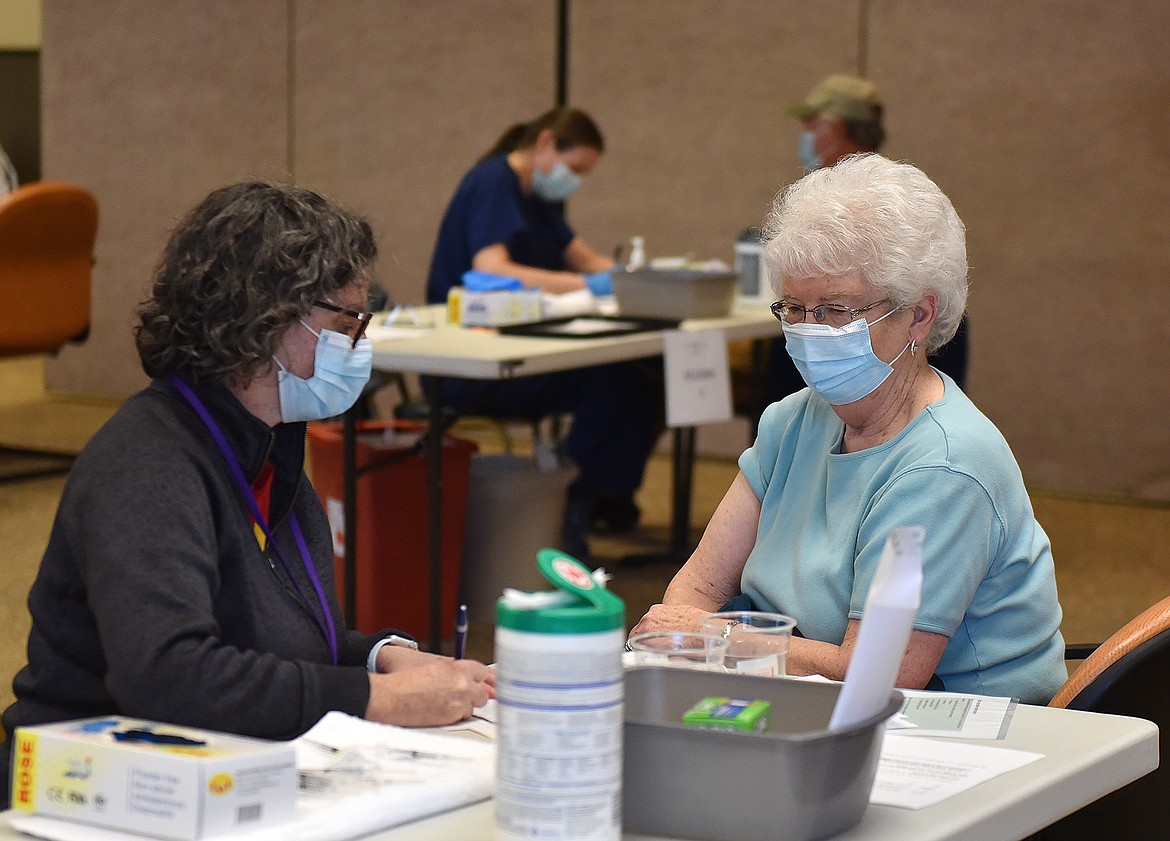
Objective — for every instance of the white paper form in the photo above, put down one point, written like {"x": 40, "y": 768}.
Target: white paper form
{"x": 915, "y": 773}
{"x": 955, "y": 716}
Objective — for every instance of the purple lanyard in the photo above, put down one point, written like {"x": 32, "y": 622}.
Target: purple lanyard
{"x": 327, "y": 629}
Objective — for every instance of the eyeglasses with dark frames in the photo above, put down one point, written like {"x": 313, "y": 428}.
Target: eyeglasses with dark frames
{"x": 834, "y": 315}
{"x": 362, "y": 318}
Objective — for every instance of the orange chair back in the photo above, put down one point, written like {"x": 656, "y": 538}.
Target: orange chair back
{"x": 47, "y": 233}
{"x": 1145, "y": 626}
{"x": 1128, "y": 674}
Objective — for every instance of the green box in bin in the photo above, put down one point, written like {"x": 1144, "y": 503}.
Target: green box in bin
{"x": 717, "y": 713}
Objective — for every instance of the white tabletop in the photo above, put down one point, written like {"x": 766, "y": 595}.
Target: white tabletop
{"x": 476, "y": 353}
{"x": 1086, "y": 755}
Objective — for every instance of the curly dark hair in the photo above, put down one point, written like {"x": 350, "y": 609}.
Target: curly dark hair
{"x": 238, "y": 271}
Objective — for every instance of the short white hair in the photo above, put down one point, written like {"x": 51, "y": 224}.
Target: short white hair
{"x": 881, "y": 218}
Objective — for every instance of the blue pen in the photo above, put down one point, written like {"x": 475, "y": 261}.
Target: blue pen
{"x": 460, "y": 632}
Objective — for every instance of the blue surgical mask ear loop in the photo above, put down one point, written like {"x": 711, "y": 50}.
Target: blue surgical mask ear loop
{"x": 304, "y": 324}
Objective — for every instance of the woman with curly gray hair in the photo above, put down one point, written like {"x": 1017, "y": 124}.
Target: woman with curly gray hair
{"x": 189, "y": 572}
{"x": 869, "y": 261}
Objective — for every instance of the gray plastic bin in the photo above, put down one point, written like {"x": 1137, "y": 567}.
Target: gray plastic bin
{"x": 673, "y": 293}
{"x": 794, "y": 782}
{"x": 513, "y": 509}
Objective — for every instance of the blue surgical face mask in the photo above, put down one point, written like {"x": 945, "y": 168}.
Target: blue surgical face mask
{"x": 557, "y": 184}
{"x": 809, "y": 158}
{"x": 340, "y": 372}
{"x": 838, "y": 363}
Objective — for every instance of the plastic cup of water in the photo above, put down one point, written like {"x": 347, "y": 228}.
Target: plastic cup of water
{"x": 757, "y": 641}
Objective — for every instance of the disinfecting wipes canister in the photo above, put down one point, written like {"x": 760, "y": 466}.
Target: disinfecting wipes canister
{"x": 559, "y": 690}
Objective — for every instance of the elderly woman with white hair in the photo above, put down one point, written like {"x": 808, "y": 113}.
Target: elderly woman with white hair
{"x": 869, "y": 258}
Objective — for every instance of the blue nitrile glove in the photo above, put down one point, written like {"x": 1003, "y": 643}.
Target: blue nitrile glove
{"x": 600, "y": 283}
{"x": 474, "y": 281}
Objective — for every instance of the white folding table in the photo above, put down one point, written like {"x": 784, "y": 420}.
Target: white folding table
{"x": 1086, "y": 756}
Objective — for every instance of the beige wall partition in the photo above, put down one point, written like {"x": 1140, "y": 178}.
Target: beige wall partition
{"x": 1047, "y": 123}
{"x": 1044, "y": 121}
{"x": 380, "y": 105}
{"x": 395, "y": 101}
{"x": 150, "y": 106}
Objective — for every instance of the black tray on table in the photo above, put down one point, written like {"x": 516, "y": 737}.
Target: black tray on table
{"x": 589, "y": 326}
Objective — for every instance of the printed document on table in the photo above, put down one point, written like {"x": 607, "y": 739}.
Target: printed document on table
{"x": 954, "y": 716}
{"x": 914, "y": 773}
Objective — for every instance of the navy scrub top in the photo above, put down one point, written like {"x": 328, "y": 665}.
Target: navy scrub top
{"x": 488, "y": 208}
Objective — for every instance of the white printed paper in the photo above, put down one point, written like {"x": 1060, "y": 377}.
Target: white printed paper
{"x": 953, "y": 716}
{"x": 698, "y": 380}
{"x": 915, "y": 773}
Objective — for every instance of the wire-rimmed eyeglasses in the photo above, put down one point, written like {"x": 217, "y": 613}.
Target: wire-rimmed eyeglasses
{"x": 834, "y": 315}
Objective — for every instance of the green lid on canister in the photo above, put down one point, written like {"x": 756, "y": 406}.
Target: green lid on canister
{"x": 579, "y": 605}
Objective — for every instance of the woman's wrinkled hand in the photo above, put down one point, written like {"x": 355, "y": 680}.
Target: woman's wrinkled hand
{"x": 432, "y": 691}
{"x": 670, "y": 617}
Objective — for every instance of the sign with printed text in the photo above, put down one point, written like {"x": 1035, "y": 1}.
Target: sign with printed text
{"x": 698, "y": 380}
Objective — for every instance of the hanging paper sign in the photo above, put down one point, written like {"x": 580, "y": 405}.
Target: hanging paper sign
{"x": 698, "y": 379}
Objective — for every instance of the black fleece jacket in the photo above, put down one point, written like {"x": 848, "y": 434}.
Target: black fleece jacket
{"x": 154, "y": 598}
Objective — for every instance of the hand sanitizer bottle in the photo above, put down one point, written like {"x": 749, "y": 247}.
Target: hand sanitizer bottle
{"x": 637, "y": 254}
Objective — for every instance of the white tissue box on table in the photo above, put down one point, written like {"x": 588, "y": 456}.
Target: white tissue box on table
{"x": 156, "y": 779}
{"x": 494, "y": 309}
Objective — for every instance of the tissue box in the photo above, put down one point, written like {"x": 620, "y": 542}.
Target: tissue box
{"x": 493, "y": 309}
{"x": 154, "y": 779}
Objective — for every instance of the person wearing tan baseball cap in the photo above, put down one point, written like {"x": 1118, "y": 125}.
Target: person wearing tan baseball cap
{"x": 842, "y": 115}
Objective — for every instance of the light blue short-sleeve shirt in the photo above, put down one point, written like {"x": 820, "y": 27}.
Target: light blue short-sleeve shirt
{"x": 988, "y": 578}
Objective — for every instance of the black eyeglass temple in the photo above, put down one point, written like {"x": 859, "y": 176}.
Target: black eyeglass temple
{"x": 363, "y": 318}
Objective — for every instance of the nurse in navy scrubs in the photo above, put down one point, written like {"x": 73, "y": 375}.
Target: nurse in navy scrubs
{"x": 507, "y": 218}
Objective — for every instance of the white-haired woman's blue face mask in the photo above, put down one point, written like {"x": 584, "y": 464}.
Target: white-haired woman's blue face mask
{"x": 838, "y": 363}
{"x": 341, "y": 370}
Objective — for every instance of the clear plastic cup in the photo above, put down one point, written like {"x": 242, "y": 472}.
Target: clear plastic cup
{"x": 757, "y": 641}
{"x": 679, "y": 649}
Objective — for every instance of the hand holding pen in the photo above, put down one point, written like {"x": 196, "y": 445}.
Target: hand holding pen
{"x": 461, "y": 632}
